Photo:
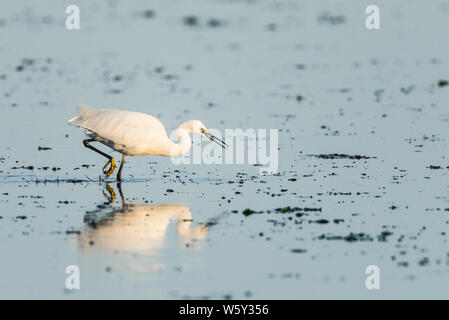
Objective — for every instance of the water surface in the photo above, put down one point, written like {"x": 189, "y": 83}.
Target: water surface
{"x": 309, "y": 69}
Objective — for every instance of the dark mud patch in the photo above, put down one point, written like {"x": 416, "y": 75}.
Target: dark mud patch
{"x": 436, "y": 167}
{"x": 298, "y": 250}
{"x": 384, "y": 236}
{"x": 78, "y": 232}
{"x": 23, "y": 167}
{"x": 341, "y": 156}
{"x": 297, "y": 210}
{"x": 194, "y": 21}
{"x": 424, "y": 261}
{"x": 320, "y": 221}
{"x": 331, "y": 19}
{"x": 443, "y": 83}
{"x": 357, "y": 237}
{"x": 149, "y": 14}
{"x": 352, "y": 237}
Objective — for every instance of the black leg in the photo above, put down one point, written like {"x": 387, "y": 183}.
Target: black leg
{"x": 87, "y": 145}
{"x": 119, "y": 174}
{"x": 111, "y": 159}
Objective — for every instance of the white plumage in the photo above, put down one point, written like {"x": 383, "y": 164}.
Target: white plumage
{"x": 130, "y": 133}
{"x": 134, "y": 133}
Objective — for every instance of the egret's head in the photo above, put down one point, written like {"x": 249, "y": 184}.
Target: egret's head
{"x": 197, "y": 127}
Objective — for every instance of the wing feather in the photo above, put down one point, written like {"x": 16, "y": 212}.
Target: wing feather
{"x": 125, "y": 131}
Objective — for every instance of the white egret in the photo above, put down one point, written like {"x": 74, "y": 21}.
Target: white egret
{"x": 135, "y": 133}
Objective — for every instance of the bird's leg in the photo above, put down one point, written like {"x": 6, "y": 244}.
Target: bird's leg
{"x": 111, "y": 159}
{"x": 119, "y": 174}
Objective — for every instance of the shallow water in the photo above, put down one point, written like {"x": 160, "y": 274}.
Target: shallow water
{"x": 185, "y": 231}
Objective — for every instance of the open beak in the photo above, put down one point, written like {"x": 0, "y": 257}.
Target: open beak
{"x": 213, "y": 138}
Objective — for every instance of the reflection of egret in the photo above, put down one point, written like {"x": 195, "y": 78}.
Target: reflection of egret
{"x": 135, "y": 133}
{"x": 137, "y": 228}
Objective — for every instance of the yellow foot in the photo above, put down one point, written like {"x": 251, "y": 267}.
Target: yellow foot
{"x": 112, "y": 193}
{"x": 111, "y": 169}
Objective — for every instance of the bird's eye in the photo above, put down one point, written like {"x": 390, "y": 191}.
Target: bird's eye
{"x": 202, "y": 130}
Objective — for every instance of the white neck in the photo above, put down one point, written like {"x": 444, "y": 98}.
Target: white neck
{"x": 184, "y": 143}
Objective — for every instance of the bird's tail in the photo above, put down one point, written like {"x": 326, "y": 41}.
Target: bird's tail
{"x": 83, "y": 110}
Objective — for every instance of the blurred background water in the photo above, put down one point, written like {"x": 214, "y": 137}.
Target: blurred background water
{"x": 309, "y": 69}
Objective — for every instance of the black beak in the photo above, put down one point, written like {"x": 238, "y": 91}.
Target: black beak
{"x": 213, "y": 138}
